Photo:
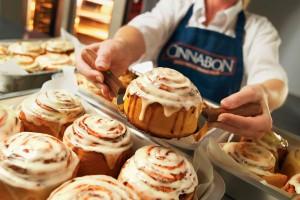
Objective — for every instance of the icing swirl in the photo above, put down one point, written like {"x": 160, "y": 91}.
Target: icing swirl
{"x": 36, "y": 161}
{"x": 93, "y": 187}
{"x": 9, "y": 123}
{"x": 99, "y": 134}
{"x": 52, "y": 105}
{"x": 255, "y": 158}
{"x": 159, "y": 173}
{"x": 167, "y": 87}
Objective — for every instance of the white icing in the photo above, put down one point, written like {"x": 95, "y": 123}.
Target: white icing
{"x": 295, "y": 181}
{"x": 53, "y": 61}
{"x": 27, "y": 62}
{"x": 154, "y": 167}
{"x": 98, "y": 134}
{"x": 9, "y": 123}
{"x": 59, "y": 46}
{"x": 36, "y": 161}
{"x": 26, "y": 48}
{"x": 93, "y": 188}
{"x": 167, "y": 87}
{"x": 57, "y": 106}
{"x": 255, "y": 158}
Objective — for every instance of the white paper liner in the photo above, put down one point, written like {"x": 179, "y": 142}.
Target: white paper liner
{"x": 227, "y": 163}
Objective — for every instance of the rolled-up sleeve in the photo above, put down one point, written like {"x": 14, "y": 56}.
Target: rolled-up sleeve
{"x": 157, "y": 25}
{"x": 262, "y": 59}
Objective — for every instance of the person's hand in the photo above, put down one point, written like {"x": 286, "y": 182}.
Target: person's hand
{"x": 111, "y": 55}
{"x": 254, "y": 127}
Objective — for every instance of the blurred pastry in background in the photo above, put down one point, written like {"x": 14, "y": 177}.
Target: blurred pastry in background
{"x": 50, "y": 112}
{"x": 102, "y": 145}
{"x": 156, "y": 172}
{"x": 28, "y": 63}
{"x": 291, "y": 164}
{"x": 93, "y": 187}
{"x": 53, "y": 62}
{"x": 9, "y": 123}
{"x": 33, "y": 164}
{"x": 164, "y": 103}
{"x": 32, "y": 49}
{"x": 257, "y": 159}
{"x": 293, "y": 185}
{"x": 60, "y": 46}
{"x": 87, "y": 85}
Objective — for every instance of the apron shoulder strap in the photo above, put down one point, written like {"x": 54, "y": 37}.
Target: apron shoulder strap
{"x": 240, "y": 26}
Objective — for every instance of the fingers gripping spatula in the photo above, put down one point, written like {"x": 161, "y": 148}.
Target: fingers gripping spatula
{"x": 209, "y": 114}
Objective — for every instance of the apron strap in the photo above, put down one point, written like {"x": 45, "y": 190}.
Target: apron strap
{"x": 240, "y": 27}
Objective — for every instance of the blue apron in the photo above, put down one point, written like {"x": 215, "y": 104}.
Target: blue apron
{"x": 211, "y": 60}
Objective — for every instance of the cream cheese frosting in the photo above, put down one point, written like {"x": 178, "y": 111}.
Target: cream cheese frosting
{"x": 9, "y": 123}
{"x": 26, "y": 48}
{"x": 57, "y": 106}
{"x": 295, "y": 181}
{"x": 159, "y": 173}
{"x": 59, "y": 46}
{"x": 169, "y": 88}
{"x": 53, "y": 61}
{"x": 93, "y": 187}
{"x": 36, "y": 161}
{"x": 255, "y": 158}
{"x": 95, "y": 133}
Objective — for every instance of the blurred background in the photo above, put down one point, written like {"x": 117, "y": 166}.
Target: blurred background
{"x": 96, "y": 20}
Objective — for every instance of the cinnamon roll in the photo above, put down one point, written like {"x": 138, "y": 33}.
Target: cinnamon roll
{"x": 9, "y": 123}
{"x": 53, "y": 62}
{"x": 87, "y": 85}
{"x": 291, "y": 164}
{"x": 256, "y": 159}
{"x": 102, "y": 144}
{"x": 27, "y": 63}
{"x": 156, "y": 172}
{"x": 50, "y": 112}
{"x": 293, "y": 185}
{"x": 33, "y": 164}
{"x": 32, "y": 49}
{"x": 163, "y": 102}
{"x": 59, "y": 46}
{"x": 93, "y": 187}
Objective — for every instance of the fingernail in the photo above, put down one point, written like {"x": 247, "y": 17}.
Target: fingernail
{"x": 220, "y": 118}
{"x": 99, "y": 78}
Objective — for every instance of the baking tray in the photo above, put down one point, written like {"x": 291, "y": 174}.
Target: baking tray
{"x": 247, "y": 188}
{"x": 216, "y": 189}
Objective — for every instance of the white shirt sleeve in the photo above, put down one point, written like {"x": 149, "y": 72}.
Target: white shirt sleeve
{"x": 262, "y": 55}
{"x": 158, "y": 24}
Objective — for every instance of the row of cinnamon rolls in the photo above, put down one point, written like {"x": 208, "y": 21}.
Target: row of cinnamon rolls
{"x": 70, "y": 143}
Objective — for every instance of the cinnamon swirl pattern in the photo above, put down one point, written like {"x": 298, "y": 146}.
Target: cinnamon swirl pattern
{"x": 36, "y": 161}
{"x": 98, "y": 134}
{"x": 159, "y": 173}
{"x": 167, "y": 87}
{"x": 9, "y": 123}
{"x": 51, "y": 109}
{"x": 293, "y": 185}
{"x": 255, "y": 158}
{"x": 93, "y": 187}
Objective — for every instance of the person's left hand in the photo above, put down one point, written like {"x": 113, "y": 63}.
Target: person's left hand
{"x": 254, "y": 127}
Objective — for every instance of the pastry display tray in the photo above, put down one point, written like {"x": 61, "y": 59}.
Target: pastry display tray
{"x": 246, "y": 188}
{"x": 214, "y": 191}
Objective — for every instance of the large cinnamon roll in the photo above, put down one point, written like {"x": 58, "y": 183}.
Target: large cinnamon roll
{"x": 32, "y": 49}
{"x": 163, "y": 102}
{"x": 291, "y": 164}
{"x": 9, "y": 123}
{"x": 93, "y": 187}
{"x": 256, "y": 159}
{"x": 156, "y": 172}
{"x": 33, "y": 164}
{"x": 102, "y": 144}
{"x": 53, "y": 62}
{"x": 59, "y": 46}
{"x": 293, "y": 185}
{"x": 28, "y": 63}
{"x": 50, "y": 112}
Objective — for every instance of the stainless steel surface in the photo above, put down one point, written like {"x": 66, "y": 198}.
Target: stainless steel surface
{"x": 245, "y": 188}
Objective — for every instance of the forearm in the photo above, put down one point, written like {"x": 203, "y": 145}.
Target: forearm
{"x": 276, "y": 91}
{"x": 132, "y": 40}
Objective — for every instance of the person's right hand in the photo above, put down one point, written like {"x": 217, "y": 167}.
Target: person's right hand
{"x": 111, "y": 55}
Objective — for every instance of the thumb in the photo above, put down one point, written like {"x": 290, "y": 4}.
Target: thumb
{"x": 103, "y": 60}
